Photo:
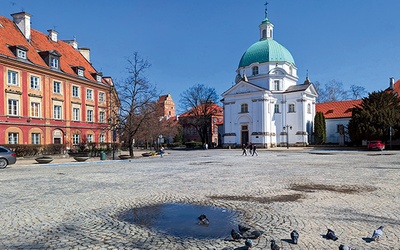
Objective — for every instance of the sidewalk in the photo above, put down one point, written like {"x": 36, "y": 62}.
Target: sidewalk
{"x": 59, "y": 159}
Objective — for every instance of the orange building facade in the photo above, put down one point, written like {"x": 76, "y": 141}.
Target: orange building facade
{"x": 49, "y": 91}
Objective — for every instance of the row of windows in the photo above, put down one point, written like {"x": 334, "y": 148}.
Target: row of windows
{"x": 244, "y": 108}
{"x": 13, "y": 138}
{"x": 13, "y": 110}
{"x": 13, "y": 79}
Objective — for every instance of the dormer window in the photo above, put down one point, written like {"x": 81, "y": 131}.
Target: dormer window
{"x": 98, "y": 76}
{"x": 21, "y": 54}
{"x": 54, "y": 63}
{"x": 52, "y": 58}
{"x": 19, "y": 51}
{"x": 79, "y": 70}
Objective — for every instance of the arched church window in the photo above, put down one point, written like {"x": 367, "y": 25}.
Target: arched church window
{"x": 255, "y": 70}
{"x": 291, "y": 108}
{"x": 244, "y": 108}
{"x": 309, "y": 108}
{"x": 264, "y": 34}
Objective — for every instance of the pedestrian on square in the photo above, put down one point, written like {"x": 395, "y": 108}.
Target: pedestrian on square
{"x": 254, "y": 150}
{"x": 161, "y": 151}
{"x": 244, "y": 149}
{"x": 249, "y": 146}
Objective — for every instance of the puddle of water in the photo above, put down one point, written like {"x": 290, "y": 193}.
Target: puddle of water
{"x": 180, "y": 220}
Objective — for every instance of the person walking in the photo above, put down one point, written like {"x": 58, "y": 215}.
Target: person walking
{"x": 161, "y": 151}
{"x": 244, "y": 150}
{"x": 250, "y": 147}
{"x": 254, "y": 150}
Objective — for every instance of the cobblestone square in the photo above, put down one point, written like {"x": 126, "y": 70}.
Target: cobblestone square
{"x": 76, "y": 205}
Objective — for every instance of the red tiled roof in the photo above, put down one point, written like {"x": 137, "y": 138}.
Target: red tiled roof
{"x": 340, "y": 109}
{"x": 214, "y": 109}
{"x": 396, "y": 87}
{"x": 10, "y": 35}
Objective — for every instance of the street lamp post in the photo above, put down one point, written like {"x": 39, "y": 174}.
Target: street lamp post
{"x": 286, "y": 128}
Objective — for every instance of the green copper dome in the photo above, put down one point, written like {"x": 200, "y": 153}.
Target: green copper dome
{"x": 267, "y": 50}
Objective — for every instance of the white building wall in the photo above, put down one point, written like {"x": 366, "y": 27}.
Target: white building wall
{"x": 332, "y": 133}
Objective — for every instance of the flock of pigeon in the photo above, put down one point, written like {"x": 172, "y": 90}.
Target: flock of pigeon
{"x": 249, "y": 235}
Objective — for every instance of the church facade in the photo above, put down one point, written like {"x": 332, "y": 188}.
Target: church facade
{"x": 266, "y": 106}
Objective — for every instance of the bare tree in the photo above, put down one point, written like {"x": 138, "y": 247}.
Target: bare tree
{"x": 136, "y": 95}
{"x": 357, "y": 92}
{"x": 199, "y": 102}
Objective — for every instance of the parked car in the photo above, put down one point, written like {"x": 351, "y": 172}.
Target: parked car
{"x": 7, "y": 157}
{"x": 376, "y": 145}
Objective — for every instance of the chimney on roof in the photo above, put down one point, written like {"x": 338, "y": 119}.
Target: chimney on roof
{"x": 391, "y": 85}
{"x": 23, "y": 22}
{"x": 85, "y": 53}
{"x": 73, "y": 43}
{"x": 53, "y": 35}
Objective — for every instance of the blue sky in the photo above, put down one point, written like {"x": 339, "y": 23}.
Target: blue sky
{"x": 190, "y": 42}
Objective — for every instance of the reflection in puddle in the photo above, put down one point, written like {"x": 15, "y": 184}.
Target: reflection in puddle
{"x": 180, "y": 220}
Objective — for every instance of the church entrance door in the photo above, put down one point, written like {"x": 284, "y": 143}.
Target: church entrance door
{"x": 245, "y": 134}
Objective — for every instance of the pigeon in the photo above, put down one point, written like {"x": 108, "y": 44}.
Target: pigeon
{"x": 203, "y": 220}
{"x": 344, "y": 247}
{"x": 235, "y": 235}
{"x": 295, "y": 236}
{"x": 248, "y": 243}
{"x": 331, "y": 235}
{"x": 252, "y": 234}
{"x": 274, "y": 246}
{"x": 243, "y": 229}
{"x": 377, "y": 235}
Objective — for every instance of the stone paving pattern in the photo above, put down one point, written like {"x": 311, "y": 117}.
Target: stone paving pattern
{"x": 76, "y": 205}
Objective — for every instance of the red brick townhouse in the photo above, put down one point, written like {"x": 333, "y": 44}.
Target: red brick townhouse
{"x": 215, "y": 119}
{"x": 49, "y": 90}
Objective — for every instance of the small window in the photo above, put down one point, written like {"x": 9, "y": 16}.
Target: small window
{"x": 89, "y": 117}
{"x": 35, "y": 138}
{"x": 75, "y": 91}
{"x": 12, "y": 138}
{"x": 57, "y": 112}
{"x": 75, "y": 114}
{"x": 255, "y": 70}
{"x": 277, "y": 85}
{"x": 12, "y": 78}
{"x": 13, "y": 107}
{"x": 35, "y": 109}
{"x": 89, "y": 138}
{"x": 21, "y": 54}
{"x": 291, "y": 108}
{"x": 102, "y": 138}
{"x": 80, "y": 72}
{"x": 89, "y": 94}
{"x": 54, "y": 63}
{"x": 264, "y": 33}
{"x": 309, "y": 108}
{"x": 76, "y": 139}
{"x": 101, "y": 97}
{"x": 276, "y": 108}
{"x": 35, "y": 83}
{"x": 244, "y": 108}
{"x": 57, "y": 87}
{"x": 102, "y": 117}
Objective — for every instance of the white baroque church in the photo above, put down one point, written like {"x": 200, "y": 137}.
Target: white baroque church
{"x": 266, "y": 106}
